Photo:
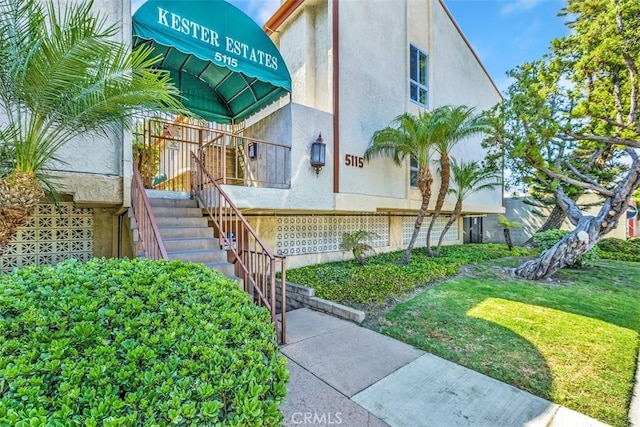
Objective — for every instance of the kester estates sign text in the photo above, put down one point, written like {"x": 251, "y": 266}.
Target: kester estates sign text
{"x": 212, "y": 37}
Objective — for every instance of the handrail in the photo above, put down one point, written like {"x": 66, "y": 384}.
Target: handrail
{"x": 255, "y": 263}
{"x": 165, "y": 147}
{"x": 149, "y": 239}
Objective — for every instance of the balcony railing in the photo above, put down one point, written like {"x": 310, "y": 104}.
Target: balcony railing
{"x": 162, "y": 152}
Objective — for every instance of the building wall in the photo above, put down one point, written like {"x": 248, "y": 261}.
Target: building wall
{"x": 299, "y": 126}
{"x": 533, "y": 217}
{"x": 96, "y": 170}
{"x": 313, "y": 239}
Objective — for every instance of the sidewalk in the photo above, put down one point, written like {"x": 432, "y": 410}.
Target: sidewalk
{"x": 343, "y": 374}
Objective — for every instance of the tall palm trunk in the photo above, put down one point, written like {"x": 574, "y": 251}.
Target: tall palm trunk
{"x": 425, "y": 180}
{"x": 457, "y": 210}
{"x": 20, "y": 193}
{"x": 445, "y": 174}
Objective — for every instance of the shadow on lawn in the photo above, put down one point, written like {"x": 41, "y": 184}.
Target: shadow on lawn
{"x": 572, "y": 340}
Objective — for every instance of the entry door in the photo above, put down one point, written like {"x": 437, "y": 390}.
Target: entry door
{"x": 473, "y": 230}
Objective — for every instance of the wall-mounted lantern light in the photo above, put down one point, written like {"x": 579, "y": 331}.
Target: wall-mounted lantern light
{"x": 252, "y": 147}
{"x": 318, "y": 154}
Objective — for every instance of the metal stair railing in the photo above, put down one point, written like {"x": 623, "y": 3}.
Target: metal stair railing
{"x": 255, "y": 264}
{"x": 149, "y": 239}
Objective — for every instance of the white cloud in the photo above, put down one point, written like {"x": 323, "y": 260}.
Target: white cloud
{"x": 261, "y": 10}
{"x": 518, "y": 5}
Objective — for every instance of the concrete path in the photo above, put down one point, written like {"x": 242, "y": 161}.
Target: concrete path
{"x": 343, "y": 374}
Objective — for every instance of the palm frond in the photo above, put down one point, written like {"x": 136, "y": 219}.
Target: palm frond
{"x": 471, "y": 176}
{"x": 62, "y": 75}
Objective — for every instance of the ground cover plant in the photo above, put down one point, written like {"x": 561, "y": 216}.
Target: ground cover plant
{"x": 573, "y": 340}
{"x": 384, "y": 279}
{"x": 621, "y": 250}
{"x": 135, "y": 342}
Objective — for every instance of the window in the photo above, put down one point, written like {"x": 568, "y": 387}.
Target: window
{"x": 413, "y": 172}
{"x": 419, "y": 76}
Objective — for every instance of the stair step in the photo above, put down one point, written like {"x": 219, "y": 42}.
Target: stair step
{"x": 170, "y": 233}
{"x": 225, "y": 268}
{"x": 176, "y": 211}
{"x": 202, "y": 256}
{"x": 179, "y": 245}
{"x": 181, "y": 222}
{"x": 173, "y": 203}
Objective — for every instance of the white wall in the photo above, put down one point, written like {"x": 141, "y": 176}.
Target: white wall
{"x": 299, "y": 126}
{"x": 96, "y": 169}
{"x": 373, "y": 91}
{"x": 457, "y": 78}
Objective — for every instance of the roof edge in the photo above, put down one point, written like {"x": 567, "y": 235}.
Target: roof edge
{"x": 285, "y": 10}
{"x": 473, "y": 52}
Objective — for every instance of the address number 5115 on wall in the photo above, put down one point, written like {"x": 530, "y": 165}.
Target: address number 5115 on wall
{"x": 355, "y": 161}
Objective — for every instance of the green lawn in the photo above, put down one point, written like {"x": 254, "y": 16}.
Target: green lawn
{"x": 573, "y": 340}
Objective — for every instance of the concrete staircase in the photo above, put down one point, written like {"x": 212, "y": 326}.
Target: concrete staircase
{"x": 187, "y": 235}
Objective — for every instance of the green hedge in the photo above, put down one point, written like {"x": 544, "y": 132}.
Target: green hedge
{"x": 621, "y": 250}
{"x": 547, "y": 239}
{"x": 135, "y": 342}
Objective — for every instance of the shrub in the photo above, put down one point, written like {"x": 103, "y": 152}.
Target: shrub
{"x": 547, "y": 239}
{"x": 135, "y": 342}
{"x": 621, "y": 250}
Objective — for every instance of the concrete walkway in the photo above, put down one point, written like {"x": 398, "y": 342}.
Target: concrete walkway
{"x": 343, "y": 374}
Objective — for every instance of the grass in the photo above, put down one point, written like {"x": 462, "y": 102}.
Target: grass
{"x": 382, "y": 279}
{"x": 573, "y": 341}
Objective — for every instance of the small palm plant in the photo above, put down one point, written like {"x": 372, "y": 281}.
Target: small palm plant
{"x": 63, "y": 76}
{"x": 467, "y": 177}
{"x": 507, "y": 226}
{"x": 356, "y": 243}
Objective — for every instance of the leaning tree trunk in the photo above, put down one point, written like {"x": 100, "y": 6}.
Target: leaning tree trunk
{"x": 425, "y": 179}
{"x": 507, "y": 238}
{"x": 588, "y": 232}
{"x": 554, "y": 221}
{"x": 445, "y": 175}
{"x": 19, "y": 194}
{"x": 454, "y": 217}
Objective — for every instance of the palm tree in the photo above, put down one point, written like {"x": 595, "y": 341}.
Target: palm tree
{"x": 356, "y": 243}
{"x": 408, "y": 136}
{"x": 454, "y": 124}
{"x": 62, "y": 76}
{"x": 467, "y": 177}
{"x": 507, "y": 226}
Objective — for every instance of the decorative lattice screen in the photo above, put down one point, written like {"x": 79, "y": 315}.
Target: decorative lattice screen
{"x": 315, "y": 234}
{"x": 409, "y": 222}
{"x": 51, "y": 236}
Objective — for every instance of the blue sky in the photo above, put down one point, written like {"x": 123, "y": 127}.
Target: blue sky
{"x": 504, "y": 33}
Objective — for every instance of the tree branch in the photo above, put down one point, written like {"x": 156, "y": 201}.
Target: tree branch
{"x": 568, "y": 206}
{"x": 611, "y": 140}
{"x": 580, "y": 175}
{"x": 586, "y": 185}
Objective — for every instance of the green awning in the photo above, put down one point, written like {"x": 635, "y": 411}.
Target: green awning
{"x": 225, "y": 65}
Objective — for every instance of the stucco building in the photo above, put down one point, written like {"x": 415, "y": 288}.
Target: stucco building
{"x": 353, "y": 67}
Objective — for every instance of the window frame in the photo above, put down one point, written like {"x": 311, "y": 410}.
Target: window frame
{"x": 413, "y": 169}
{"x": 420, "y": 86}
